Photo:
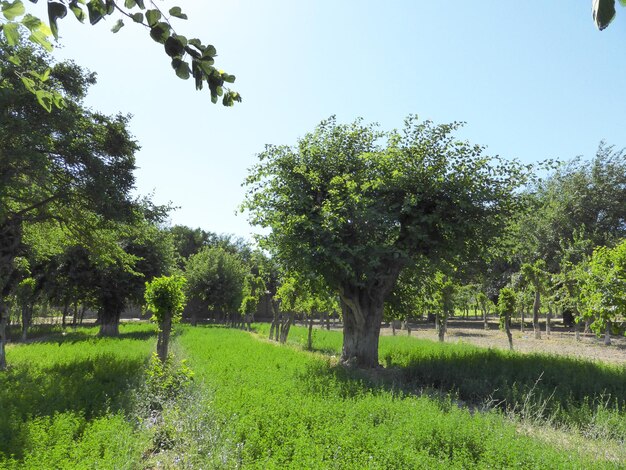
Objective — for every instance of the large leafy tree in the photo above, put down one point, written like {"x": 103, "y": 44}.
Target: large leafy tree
{"x": 216, "y": 276}
{"x": 56, "y": 166}
{"x": 189, "y": 57}
{"x": 357, "y": 206}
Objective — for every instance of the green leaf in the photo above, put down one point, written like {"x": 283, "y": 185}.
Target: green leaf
{"x": 153, "y": 16}
{"x": 56, "y": 10}
{"x": 29, "y": 83}
{"x": 15, "y": 60}
{"x": 79, "y": 13}
{"x": 228, "y": 78}
{"x": 160, "y": 32}
{"x": 603, "y": 12}
{"x": 174, "y": 47}
{"x": 45, "y": 99}
{"x": 42, "y": 39}
{"x": 140, "y": 4}
{"x": 181, "y": 67}
{"x": 137, "y": 17}
{"x": 13, "y": 10}
{"x": 11, "y": 33}
{"x": 119, "y": 25}
{"x": 209, "y": 51}
{"x": 31, "y": 22}
{"x": 130, "y": 3}
{"x": 96, "y": 11}
{"x": 176, "y": 12}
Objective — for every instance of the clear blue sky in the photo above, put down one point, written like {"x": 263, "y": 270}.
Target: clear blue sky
{"x": 533, "y": 80}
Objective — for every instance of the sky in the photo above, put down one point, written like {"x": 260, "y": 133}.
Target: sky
{"x": 532, "y": 80}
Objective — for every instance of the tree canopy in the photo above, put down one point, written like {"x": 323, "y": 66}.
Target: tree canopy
{"x": 357, "y": 205}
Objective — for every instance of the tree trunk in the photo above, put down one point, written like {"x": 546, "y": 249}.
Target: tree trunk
{"x": 75, "y": 316}
{"x": 507, "y": 329}
{"x": 362, "y": 316}
{"x": 109, "y": 323}
{"x": 393, "y": 327}
{"x": 286, "y": 325}
{"x": 577, "y": 330}
{"x": 328, "y": 321}
{"x": 442, "y": 325}
{"x": 485, "y": 322}
{"x": 309, "y": 340}
{"x": 275, "y": 321}
{"x": 27, "y": 316}
{"x": 4, "y": 320}
{"x": 163, "y": 340}
{"x": 522, "y": 320}
{"x": 548, "y": 319}
{"x": 536, "y": 306}
{"x": 607, "y": 334}
{"x": 83, "y": 308}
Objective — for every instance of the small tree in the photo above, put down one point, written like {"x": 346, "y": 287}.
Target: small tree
{"x": 603, "y": 292}
{"x": 537, "y": 277}
{"x": 165, "y": 298}
{"x": 506, "y": 307}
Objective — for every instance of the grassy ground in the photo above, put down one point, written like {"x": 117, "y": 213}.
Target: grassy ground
{"x": 76, "y": 401}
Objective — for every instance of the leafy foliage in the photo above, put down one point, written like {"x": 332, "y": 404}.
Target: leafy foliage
{"x": 165, "y": 297}
{"x": 189, "y": 57}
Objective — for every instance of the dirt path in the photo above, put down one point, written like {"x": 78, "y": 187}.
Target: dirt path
{"x": 560, "y": 342}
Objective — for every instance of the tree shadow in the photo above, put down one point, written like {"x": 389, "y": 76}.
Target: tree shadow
{"x": 56, "y": 334}
{"x": 549, "y": 385}
{"x": 89, "y": 387}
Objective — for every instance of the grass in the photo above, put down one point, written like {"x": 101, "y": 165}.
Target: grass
{"x": 292, "y": 409}
{"x": 65, "y": 400}
{"x": 78, "y": 401}
{"x": 587, "y": 396}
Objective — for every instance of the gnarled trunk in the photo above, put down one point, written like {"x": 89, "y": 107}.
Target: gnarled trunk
{"x": 362, "y": 316}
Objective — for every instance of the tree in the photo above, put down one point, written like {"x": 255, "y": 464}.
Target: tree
{"x": 357, "y": 206}
{"x": 536, "y": 276}
{"x": 603, "y": 291}
{"x": 165, "y": 298}
{"x": 189, "y": 57}
{"x": 216, "y": 276}
{"x": 506, "y": 307}
{"x": 72, "y": 166}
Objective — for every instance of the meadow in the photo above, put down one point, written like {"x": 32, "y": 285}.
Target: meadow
{"x": 241, "y": 401}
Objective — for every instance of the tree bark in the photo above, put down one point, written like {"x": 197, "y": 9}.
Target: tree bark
{"x": 548, "y": 319}
{"x": 163, "y": 340}
{"x": 485, "y": 322}
{"x": 285, "y": 327}
{"x": 522, "y": 320}
{"x": 362, "y": 316}
{"x": 442, "y": 325}
{"x": 309, "y": 340}
{"x": 27, "y": 316}
{"x": 536, "y": 306}
{"x": 507, "y": 329}
{"x": 607, "y": 334}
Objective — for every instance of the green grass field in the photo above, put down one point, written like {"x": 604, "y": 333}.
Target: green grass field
{"x": 77, "y": 401}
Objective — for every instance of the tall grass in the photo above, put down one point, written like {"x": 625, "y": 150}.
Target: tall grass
{"x": 65, "y": 401}
{"x": 585, "y": 395}
{"x": 291, "y": 409}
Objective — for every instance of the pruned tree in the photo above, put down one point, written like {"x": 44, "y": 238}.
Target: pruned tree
{"x": 506, "y": 308}
{"x": 165, "y": 298}
{"x": 536, "y": 276}
{"x": 603, "y": 290}
{"x": 357, "y": 205}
